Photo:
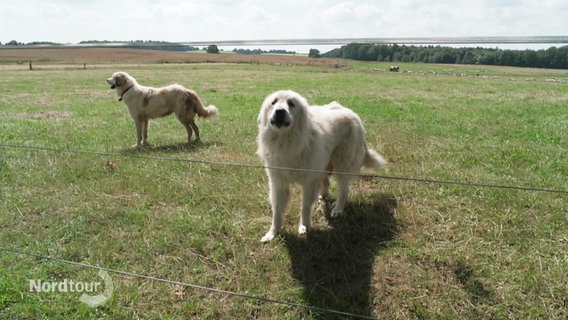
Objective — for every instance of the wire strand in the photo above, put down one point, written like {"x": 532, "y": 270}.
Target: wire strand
{"x": 253, "y": 166}
{"x": 188, "y": 285}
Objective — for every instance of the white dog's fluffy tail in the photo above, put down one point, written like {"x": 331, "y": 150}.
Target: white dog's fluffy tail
{"x": 373, "y": 160}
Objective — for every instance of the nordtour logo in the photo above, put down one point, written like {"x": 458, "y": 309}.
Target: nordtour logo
{"x": 67, "y": 285}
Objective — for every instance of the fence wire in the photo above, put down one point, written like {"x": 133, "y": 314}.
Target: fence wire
{"x": 254, "y": 166}
{"x": 186, "y": 285}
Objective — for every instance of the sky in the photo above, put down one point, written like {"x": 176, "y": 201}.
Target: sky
{"x": 73, "y": 21}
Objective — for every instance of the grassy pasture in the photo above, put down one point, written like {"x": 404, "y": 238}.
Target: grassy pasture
{"x": 405, "y": 250}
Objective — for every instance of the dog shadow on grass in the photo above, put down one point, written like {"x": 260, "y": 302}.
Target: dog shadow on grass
{"x": 335, "y": 266}
{"x": 193, "y": 146}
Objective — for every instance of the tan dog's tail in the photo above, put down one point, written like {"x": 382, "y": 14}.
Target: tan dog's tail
{"x": 373, "y": 160}
{"x": 210, "y": 111}
{"x": 193, "y": 101}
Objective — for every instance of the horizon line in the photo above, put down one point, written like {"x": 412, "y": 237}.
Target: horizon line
{"x": 392, "y": 40}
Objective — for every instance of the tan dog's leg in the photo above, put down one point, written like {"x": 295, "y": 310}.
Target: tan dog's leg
{"x": 189, "y": 125}
{"x": 195, "y": 128}
{"x": 139, "y": 132}
{"x": 144, "y": 132}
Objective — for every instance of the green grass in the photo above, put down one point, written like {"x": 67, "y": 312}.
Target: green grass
{"x": 406, "y": 250}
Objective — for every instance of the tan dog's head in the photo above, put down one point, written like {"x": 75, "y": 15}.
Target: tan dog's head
{"x": 120, "y": 80}
{"x": 281, "y": 109}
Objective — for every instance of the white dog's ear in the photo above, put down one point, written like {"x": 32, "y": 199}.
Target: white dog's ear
{"x": 261, "y": 120}
{"x": 262, "y": 115}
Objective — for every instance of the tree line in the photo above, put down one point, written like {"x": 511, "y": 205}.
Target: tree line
{"x": 260, "y": 51}
{"x": 556, "y": 58}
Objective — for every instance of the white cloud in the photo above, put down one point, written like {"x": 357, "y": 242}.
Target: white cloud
{"x": 367, "y": 12}
{"x": 255, "y": 14}
{"x": 350, "y": 12}
{"x": 173, "y": 20}
{"x": 339, "y": 12}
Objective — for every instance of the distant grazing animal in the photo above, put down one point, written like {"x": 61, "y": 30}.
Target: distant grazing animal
{"x": 145, "y": 103}
{"x": 312, "y": 141}
{"x": 394, "y": 68}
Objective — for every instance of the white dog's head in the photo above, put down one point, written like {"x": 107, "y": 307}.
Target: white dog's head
{"x": 281, "y": 109}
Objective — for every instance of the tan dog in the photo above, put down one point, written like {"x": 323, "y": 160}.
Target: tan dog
{"x": 145, "y": 103}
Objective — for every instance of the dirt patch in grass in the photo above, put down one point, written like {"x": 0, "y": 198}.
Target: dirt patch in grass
{"x": 43, "y": 115}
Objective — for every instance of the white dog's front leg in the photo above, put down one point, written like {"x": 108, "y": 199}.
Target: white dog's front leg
{"x": 342, "y": 196}
{"x": 279, "y": 195}
{"x": 324, "y": 192}
{"x": 310, "y": 194}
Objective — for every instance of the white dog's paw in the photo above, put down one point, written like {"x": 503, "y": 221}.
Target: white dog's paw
{"x": 322, "y": 198}
{"x": 335, "y": 211}
{"x": 302, "y": 229}
{"x": 271, "y": 234}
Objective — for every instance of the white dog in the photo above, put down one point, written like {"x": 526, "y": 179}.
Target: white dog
{"x": 312, "y": 141}
{"x": 144, "y": 103}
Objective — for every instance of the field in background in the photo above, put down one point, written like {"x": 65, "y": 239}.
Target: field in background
{"x": 405, "y": 250}
{"x": 91, "y": 57}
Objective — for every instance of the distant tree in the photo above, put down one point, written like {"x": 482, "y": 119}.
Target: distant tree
{"x": 468, "y": 58}
{"x": 550, "y": 58}
{"x": 259, "y": 51}
{"x": 280, "y": 51}
{"x": 212, "y": 49}
{"x": 42, "y": 43}
{"x": 314, "y": 53}
{"x": 530, "y": 58}
{"x": 14, "y": 43}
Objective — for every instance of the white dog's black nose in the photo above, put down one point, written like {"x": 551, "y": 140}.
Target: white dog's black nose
{"x": 280, "y": 118}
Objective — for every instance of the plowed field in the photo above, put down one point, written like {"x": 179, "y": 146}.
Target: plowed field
{"x": 97, "y": 55}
